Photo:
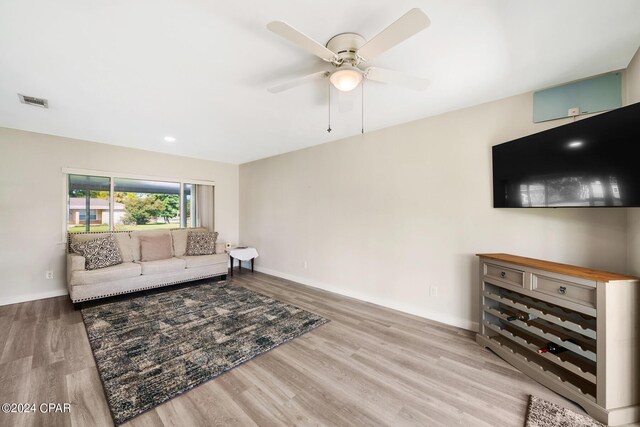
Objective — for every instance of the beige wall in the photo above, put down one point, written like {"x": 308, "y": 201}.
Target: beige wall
{"x": 632, "y": 86}
{"x": 384, "y": 216}
{"x": 31, "y": 182}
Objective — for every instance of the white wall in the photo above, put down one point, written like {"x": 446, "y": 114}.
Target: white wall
{"x": 32, "y": 197}
{"x": 383, "y": 216}
{"x": 632, "y": 86}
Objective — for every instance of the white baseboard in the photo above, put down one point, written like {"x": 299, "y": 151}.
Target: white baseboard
{"x": 405, "y": 308}
{"x": 32, "y": 297}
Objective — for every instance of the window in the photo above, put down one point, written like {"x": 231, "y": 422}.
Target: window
{"x": 188, "y": 203}
{"x": 89, "y": 197}
{"x": 99, "y": 203}
{"x": 147, "y": 204}
{"x": 93, "y": 216}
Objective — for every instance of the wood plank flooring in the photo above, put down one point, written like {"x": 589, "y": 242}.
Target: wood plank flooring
{"x": 370, "y": 366}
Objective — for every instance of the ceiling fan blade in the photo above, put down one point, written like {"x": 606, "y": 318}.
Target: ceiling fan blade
{"x": 302, "y": 40}
{"x": 299, "y": 81}
{"x": 408, "y": 25}
{"x": 408, "y": 81}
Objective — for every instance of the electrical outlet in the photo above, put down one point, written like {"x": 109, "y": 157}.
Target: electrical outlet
{"x": 305, "y": 264}
{"x": 49, "y": 274}
{"x": 433, "y": 291}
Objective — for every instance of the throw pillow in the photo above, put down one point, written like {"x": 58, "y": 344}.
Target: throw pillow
{"x": 99, "y": 253}
{"x": 201, "y": 243}
{"x": 153, "y": 248}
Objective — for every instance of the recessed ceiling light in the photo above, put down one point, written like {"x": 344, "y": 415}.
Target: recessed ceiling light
{"x": 169, "y": 139}
{"x": 575, "y": 144}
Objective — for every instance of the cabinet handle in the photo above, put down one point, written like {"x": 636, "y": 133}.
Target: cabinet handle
{"x": 502, "y": 274}
{"x": 562, "y": 290}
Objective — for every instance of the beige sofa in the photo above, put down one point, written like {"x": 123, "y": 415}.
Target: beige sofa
{"x": 134, "y": 275}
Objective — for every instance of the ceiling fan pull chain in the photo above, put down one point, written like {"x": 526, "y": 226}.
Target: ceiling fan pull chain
{"x": 329, "y": 127}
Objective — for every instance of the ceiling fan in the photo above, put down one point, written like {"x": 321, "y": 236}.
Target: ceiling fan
{"x": 348, "y": 52}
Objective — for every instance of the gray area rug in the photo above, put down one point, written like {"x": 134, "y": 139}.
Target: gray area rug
{"x": 542, "y": 413}
{"x": 152, "y": 347}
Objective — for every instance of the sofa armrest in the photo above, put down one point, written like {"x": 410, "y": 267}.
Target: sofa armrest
{"x": 220, "y": 247}
{"x": 75, "y": 262}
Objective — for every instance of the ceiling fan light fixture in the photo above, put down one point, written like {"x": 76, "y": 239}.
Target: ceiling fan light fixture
{"x": 346, "y": 79}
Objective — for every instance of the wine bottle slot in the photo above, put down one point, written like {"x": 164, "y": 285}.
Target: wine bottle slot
{"x": 521, "y": 316}
{"x": 554, "y": 348}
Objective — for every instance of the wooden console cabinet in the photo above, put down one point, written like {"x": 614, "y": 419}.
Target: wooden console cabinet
{"x": 594, "y": 315}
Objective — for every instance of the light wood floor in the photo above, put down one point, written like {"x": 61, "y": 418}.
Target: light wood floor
{"x": 368, "y": 366}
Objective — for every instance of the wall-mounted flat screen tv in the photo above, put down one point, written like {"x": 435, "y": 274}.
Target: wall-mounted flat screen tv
{"x": 594, "y": 162}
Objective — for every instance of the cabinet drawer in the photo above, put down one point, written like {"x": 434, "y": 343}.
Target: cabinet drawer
{"x": 509, "y": 275}
{"x": 582, "y": 294}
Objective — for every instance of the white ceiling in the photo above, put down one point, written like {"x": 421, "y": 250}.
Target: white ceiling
{"x": 130, "y": 72}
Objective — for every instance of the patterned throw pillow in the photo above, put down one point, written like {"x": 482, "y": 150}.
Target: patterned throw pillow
{"x": 99, "y": 253}
{"x": 201, "y": 243}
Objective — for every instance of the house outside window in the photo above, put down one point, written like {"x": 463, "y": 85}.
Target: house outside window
{"x": 88, "y": 203}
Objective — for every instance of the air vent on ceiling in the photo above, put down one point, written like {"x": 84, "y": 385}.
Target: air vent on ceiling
{"x": 32, "y": 100}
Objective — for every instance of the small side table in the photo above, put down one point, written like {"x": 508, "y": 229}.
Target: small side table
{"x": 242, "y": 254}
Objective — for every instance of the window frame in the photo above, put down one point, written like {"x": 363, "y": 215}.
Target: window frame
{"x": 66, "y": 171}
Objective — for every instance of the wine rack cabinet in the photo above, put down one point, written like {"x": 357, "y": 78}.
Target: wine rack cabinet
{"x": 593, "y": 315}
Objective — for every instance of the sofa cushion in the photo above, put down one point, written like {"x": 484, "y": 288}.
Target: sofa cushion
{"x": 153, "y": 248}
{"x": 179, "y": 236}
{"x": 99, "y": 252}
{"x": 107, "y": 274}
{"x": 122, "y": 239}
{"x": 201, "y": 243}
{"x": 162, "y": 266}
{"x": 135, "y": 240}
{"x": 204, "y": 260}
